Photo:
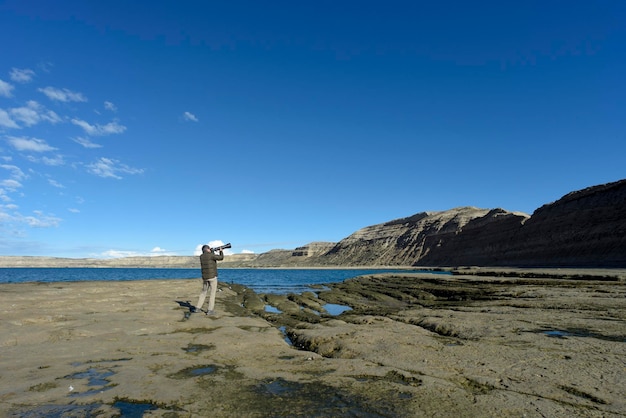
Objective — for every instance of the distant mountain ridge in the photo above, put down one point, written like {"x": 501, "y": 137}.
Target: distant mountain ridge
{"x": 585, "y": 228}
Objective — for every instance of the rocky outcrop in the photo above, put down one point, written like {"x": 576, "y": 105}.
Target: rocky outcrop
{"x": 402, "y": 241}
{"x": 482, "y": 241}
{"x": 586, "y": 228}
{"x": 313, "y": 249}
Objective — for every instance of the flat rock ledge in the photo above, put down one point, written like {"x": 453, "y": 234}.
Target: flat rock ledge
{"x": 476, "y": 343}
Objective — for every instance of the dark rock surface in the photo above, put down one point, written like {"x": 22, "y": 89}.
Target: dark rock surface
{"x": 586, "y": 228}
{"x": 402, "y": 241}
{"x": 514, "y": 338}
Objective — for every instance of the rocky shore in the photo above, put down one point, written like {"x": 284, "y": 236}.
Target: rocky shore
{"x": 477, "y": 342}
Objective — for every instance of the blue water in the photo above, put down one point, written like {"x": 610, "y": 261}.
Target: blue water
{"x": 260, "y": 280}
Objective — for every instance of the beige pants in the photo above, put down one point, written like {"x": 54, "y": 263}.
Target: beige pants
{"x": 206, "y": 284}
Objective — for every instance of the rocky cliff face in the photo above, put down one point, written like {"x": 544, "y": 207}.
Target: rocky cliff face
{"x": 586, "y": 228}
{"x": 583, "y": 228}
{"x": 402, "y": 241}
{"x": 479, "y": 242}
{"x": 314, "y": 249}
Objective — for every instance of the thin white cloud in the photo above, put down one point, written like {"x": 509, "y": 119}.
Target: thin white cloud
{"x": 63, "y": 95}
{"x": 5, "y": 89}
{"x": 6, "y": 121}
{"x": 110, "y": 106}
{"x": 57, "y": 160}
{"x": 10, "y": 184}
{"x": 33, "y": 113}
{"x": 190, "y": 117}
{"x": 85, "y": 142}
{"x": 29, "y": 144}
{"x": 16, "y": 172}
{"x": 56, "y": 184}
{"x": 157, "y": 251}
{"x": 38, "y": 220}
{"x": 118, "y": 254}
{"x": 46, "y": 66}
{"x": 27, "y": 115}
{"x": 22, "y": 75}
{"x": 108, "y": 168}
{"x": 100, "y": 130}
{"x": 41, "y": 220}
{"x": 74, "y": 210}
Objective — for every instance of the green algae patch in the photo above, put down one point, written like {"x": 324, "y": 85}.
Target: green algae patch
{"x": 42, "y": 387}
{"x": 196, "y": 349}
{"x": 194, "y": 371}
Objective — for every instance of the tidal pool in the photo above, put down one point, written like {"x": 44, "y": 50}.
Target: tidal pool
{"x": 334, "y": 309}
{"x": 271, "y": 309}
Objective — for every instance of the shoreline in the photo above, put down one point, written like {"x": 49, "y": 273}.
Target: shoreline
{"x": 191, "y": 262}
{"x": 412, "y": 345}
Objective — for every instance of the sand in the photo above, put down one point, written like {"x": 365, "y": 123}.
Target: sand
{"x": 412, "y": 345}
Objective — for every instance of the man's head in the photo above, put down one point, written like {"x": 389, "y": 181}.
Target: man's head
{"x": 206, "y": 249}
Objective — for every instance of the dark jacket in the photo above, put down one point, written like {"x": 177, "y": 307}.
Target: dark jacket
{"x": 208, "y": 264}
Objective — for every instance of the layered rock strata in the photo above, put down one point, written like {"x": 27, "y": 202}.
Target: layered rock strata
{"x": 586, "y": 228}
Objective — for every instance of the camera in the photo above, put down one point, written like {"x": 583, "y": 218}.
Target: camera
{"x": 221, "y": 247}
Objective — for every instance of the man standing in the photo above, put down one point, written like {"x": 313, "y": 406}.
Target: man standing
{"x": 208, "y": 264}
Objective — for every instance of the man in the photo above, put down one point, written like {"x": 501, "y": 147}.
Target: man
{"x": 208, "y": 264}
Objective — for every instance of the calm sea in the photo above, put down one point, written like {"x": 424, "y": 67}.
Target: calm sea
{"x": 260, "y": 280}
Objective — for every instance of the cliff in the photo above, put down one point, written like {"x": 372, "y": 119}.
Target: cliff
{"x": 586, "y": 228}
{"x": 400, "y": 242}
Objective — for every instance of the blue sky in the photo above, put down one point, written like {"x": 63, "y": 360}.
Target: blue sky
{"x": 152, "y": 127}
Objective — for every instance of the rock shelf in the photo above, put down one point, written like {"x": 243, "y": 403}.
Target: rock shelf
{"x": 411, "y": 345}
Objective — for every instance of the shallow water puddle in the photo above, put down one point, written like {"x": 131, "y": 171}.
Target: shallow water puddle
{"x": 201, "y": 371}
{"x": 557, "y": 334}
{"x": 334, "y": 309}
{"x": 279, "y": 387}
{"x": 271, "y": 309}
{"x": 95, "y": 377}
{"x": 564, "y": 334}
{"x": 289, "y": 398}
{"x": 194, "y": 372}
{"x": 133, "y": 410}
{"x": 197, "y": 348}
{"x": 283, "y": 329}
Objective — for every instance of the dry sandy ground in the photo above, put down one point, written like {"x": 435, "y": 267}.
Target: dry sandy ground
{"x": 411, "y": 346}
